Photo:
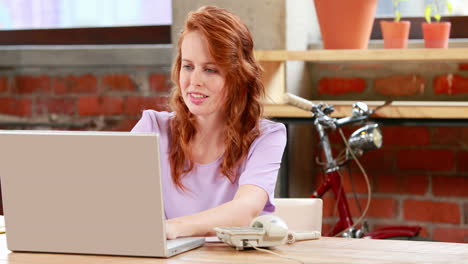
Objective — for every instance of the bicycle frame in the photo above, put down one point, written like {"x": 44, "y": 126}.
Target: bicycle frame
{"x": 333, "y": 181}
{"x": 345, "y": 221}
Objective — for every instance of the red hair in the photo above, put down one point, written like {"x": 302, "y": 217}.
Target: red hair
{"x": 231, "y": 46}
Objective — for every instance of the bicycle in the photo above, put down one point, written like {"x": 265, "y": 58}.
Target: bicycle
{"x": 366, "y": 138}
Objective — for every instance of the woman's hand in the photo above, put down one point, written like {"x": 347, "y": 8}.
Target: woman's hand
{"x": 172, "y": 229}
{"x": 177, "y": 227}
{"x": 246, "y": 205}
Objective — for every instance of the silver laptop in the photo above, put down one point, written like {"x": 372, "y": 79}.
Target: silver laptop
{"x": 85, "y": 193}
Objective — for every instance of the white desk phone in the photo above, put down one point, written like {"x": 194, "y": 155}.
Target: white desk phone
{"x": 264, "y": 231}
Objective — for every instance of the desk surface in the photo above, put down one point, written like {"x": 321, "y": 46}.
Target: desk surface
{"x": 324, "y": 250}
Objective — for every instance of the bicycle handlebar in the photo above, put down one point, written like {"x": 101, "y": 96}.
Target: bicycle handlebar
{"x": 299, "y": 102}
{"x": 348, "y": 120}
{"x": 321, "y": 111}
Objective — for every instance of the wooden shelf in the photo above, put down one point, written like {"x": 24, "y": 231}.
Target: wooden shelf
{"x": 399, "y": 109}
{"x": 274, "y": 61}
{"x": 384, "y": 55}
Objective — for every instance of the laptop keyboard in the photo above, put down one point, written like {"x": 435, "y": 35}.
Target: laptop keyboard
{"x": 178, "y": 242}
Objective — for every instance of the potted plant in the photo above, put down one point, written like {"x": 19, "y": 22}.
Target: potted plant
{"x": 395, "y": 33}
{"x": 345, "y": 24}
{"x": 436, "y": 35}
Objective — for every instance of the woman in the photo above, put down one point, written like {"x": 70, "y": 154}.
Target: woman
{"x": 219, "y": 158}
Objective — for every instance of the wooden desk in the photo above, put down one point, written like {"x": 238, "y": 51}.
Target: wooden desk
{"x": 324, "y": 250}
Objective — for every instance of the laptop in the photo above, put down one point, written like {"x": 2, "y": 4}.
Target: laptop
{"x": 85, "y": 193}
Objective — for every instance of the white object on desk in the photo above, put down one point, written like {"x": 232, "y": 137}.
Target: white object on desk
{"x": 300, "y": 214}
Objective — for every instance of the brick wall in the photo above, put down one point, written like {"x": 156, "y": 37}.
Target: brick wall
{"x": 85, "y": 98}
{"x": 420, "y": 176}
{"x": 398, "y": 81}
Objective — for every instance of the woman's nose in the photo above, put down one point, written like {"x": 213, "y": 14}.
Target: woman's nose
{"x": 196, "y": 78}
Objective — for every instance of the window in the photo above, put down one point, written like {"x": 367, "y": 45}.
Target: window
{"x": 413, "y": 10}
{"x": 85, "y": 21}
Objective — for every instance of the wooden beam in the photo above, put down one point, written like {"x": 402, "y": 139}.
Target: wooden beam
{"x": 82, "y": 36}
{"x": 399, "y": 109}
{"x": 372, "y": 55}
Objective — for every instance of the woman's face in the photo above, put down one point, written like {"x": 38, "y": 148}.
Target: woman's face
{"x": 201, "y": 80}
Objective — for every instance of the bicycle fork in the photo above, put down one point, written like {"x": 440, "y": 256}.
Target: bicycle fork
{"x": 333, "y": 181}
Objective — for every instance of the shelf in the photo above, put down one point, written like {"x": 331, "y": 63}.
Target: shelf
{"x": 273, "y": 62}
{"x": 397, "y": 109}
{"x": 383, "y": 55}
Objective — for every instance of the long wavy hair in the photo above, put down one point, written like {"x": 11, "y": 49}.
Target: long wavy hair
{"x": 231, "y": 46}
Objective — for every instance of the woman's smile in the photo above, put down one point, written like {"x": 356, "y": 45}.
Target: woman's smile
{"x": 197, "y": 98}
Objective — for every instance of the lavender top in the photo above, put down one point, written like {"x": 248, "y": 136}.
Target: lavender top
{"x": 209, "y": 188}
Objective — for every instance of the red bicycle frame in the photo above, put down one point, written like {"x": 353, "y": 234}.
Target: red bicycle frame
{"x": 345, "y": 221}
{"x": 333, "y": 181}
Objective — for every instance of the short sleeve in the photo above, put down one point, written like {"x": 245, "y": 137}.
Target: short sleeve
{"x": 264, "y": 160}
{"x": 153, "y": 122}
{"x": 146, "y": 123}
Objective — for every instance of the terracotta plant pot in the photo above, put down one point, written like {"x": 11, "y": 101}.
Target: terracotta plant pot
{"x": 395, "y": 34}
{"x": 345, "y": 24}
{"x": 436, "y": 35}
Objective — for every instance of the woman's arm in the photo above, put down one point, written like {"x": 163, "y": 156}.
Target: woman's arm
{"x": 256, "y": 189}
{"x": 248, "y": 202}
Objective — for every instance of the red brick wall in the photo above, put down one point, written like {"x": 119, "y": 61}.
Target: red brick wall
{"x": 400, "y": 81}
{"x": 92, "y": 99}
{"x": 420, "y": 176}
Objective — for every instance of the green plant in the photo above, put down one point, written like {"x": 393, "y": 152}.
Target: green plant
{"x": 435, "y": 8}
{"x": 396, "y": 9}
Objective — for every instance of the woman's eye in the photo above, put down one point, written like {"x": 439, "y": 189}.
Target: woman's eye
{"x": 211, "y": 70}
{"x": 187, "y": 67}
